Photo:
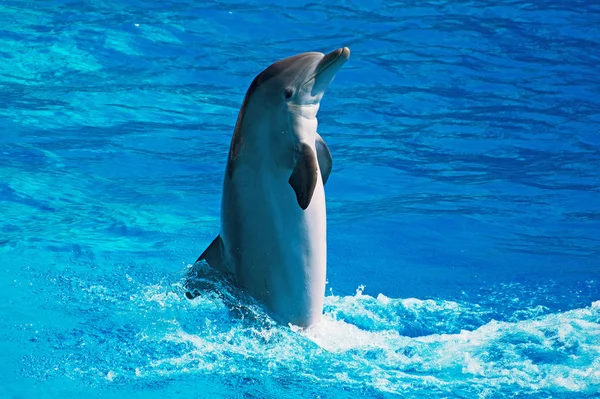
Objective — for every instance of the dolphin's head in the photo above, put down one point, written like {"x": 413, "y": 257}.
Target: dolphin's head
{"x": 298, "y": 83}
{"x": 280, "y": 108}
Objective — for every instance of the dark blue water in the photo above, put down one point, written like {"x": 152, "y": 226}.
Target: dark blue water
{"x": 463, "y": 207}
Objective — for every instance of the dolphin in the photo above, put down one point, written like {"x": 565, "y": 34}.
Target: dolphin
{"x": 273, "y": 217}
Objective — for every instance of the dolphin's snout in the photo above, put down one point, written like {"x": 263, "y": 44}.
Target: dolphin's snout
{"x": 344, "y": 52}
{"x": 329, "y": 65}
{"x": 335, "y": 59}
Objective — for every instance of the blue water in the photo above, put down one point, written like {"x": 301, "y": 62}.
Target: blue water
{"x": 463, "y": 207}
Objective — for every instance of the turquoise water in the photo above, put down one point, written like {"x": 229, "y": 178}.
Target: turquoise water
{"x": 463, "y": 206}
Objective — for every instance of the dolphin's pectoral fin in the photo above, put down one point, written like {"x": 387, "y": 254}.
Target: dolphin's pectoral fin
{"x": 324, "y": 157}
{"x": 304, "y": 177}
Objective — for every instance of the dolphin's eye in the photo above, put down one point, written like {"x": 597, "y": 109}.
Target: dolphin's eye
{"x": 288, "y": 93}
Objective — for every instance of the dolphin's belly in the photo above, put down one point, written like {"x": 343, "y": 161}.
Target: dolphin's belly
{"x": 277, "y": 250}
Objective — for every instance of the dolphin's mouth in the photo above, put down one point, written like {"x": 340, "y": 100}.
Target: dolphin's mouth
{"x": 339, "y": 56}
{"x": 329, "y": 65}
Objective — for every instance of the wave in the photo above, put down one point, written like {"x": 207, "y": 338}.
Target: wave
{"x": 377, "y": 345}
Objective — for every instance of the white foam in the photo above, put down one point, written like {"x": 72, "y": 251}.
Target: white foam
{"x": 217, "y": 333}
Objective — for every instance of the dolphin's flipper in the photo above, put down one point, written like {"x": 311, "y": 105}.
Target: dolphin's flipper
{"x": 324, "y": 157}
{"x": 304, "y": 177}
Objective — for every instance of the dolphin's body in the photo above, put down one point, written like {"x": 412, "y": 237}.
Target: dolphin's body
{"x": 273, "y": 218}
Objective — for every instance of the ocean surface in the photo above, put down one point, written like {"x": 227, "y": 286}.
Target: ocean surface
{"x": 463, "y": 206}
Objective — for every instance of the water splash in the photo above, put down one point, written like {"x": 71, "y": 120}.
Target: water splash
{"x": 375, "y": 345}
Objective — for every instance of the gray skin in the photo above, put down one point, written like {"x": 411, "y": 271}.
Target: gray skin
{"x": 273, "y": 217}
